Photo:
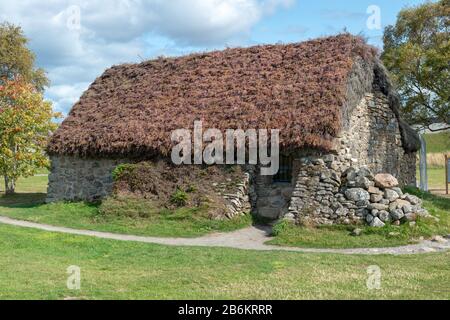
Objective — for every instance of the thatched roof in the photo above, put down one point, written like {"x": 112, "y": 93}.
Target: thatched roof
{"x": 300, "y": 88}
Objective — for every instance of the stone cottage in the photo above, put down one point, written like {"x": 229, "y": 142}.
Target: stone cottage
{"x": 330, "y": 97}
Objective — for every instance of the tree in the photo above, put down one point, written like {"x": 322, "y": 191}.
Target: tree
{"x": 25, "y": 118}
{"x": 25, "y": 125}
{"x": 17, "y": 60}
{"x": 417, "y": 54}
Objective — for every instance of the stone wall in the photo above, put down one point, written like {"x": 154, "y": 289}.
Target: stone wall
{"x": 372, "y": 140}
{"x": 238, "y": 201}
{"x": 75, "y": 179}
{"x": 324, "y": 195}
{"x": 271, "y": 199}
{"x": 317, "y": 181}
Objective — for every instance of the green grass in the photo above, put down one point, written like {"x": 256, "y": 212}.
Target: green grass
{"x": 36, "y": 184}
{"x": 123, "y": 216}
{"x": 438, "y": 142}
{"x": 436, "y": 178}
{"x": 34, "y": 264}
{"x": 340, "y": 236}
{"x": 182, "y": 222}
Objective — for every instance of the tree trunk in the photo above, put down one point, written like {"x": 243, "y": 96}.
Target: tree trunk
{"x": 10, "y": 186}
{"x": 10, "y": 183}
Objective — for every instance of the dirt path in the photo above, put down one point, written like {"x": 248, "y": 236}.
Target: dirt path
{"x": 252, "y": 238}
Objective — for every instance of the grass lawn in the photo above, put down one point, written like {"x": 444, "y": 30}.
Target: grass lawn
{"x": 34, "y": 264}
{"x": 36, "y": 184}
{"x": 436, "y": 178}
{"x": 438, "y": 142}
{"x": 388, "y": 236}
{"x": 28, "y": 204}
{"x": 182, "y": 222}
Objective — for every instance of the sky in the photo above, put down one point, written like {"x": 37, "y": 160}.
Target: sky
{"x": 76, "y": 40}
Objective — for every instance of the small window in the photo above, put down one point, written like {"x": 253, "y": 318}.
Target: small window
{"x": 285, "y": 172}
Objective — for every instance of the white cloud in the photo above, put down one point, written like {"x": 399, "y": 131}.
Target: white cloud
{"x": 117, "y": 31}
{"x": 65, "y": 95}
{"x": 206, "y": 22}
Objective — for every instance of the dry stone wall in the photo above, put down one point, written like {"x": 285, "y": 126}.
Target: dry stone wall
{"x": 371, "y": 144}
{"x": 76, "y": 179}
{"x": 238, "y": 200}
{"x": 373, "y": 139}
{"x": 317, "y": 181}
{"x": 325, "y": 195}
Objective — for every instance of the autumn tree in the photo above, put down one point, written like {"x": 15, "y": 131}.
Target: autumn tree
{"x": 25, "y": 124}
{"x": 16, "y": 60}
{"x": 417, "y": 53}
{"x": 25, "y": 117}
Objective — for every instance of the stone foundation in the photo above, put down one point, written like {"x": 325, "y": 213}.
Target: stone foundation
{"x": 75, "y": 179}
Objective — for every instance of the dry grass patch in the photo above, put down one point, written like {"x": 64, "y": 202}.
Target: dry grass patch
{"x": 170, "y": 187}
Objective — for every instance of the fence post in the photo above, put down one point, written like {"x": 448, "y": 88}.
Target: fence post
{"x": 447, "y": 173}
{"x": 423, "y": 164}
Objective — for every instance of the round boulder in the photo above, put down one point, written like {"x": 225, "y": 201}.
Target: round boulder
{"x": 384, "y": 216}
{"x": 413, "y": 199}
{"x": 369, "y": 218}
{"x": 397, "y": 214}
{"x": 391, "y": 195}
{"x": 363, "y": 182}
{"x": 376, "y": 198}
{"x": 377, "y": 223}
{"x": 385, "y": 180}
{"x": 357, "y": 194}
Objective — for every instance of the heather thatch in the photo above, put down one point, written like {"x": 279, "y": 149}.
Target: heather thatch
{"x": 301, "y": 89}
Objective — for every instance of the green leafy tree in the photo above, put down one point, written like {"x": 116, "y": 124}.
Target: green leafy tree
{"x": 25, "y": 118}
{"x": 25, "y": 125}
{"x": 417, "y": 53}
{"x": 16, "y": 60}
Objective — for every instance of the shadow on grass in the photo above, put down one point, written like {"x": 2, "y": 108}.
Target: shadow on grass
{"x": 22, "y": 200}
{"x": 29, "y": 200}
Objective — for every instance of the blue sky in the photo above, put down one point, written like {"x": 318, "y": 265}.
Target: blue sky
{"x": 76, "y": 40}
{"x": 309, "y": 19}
